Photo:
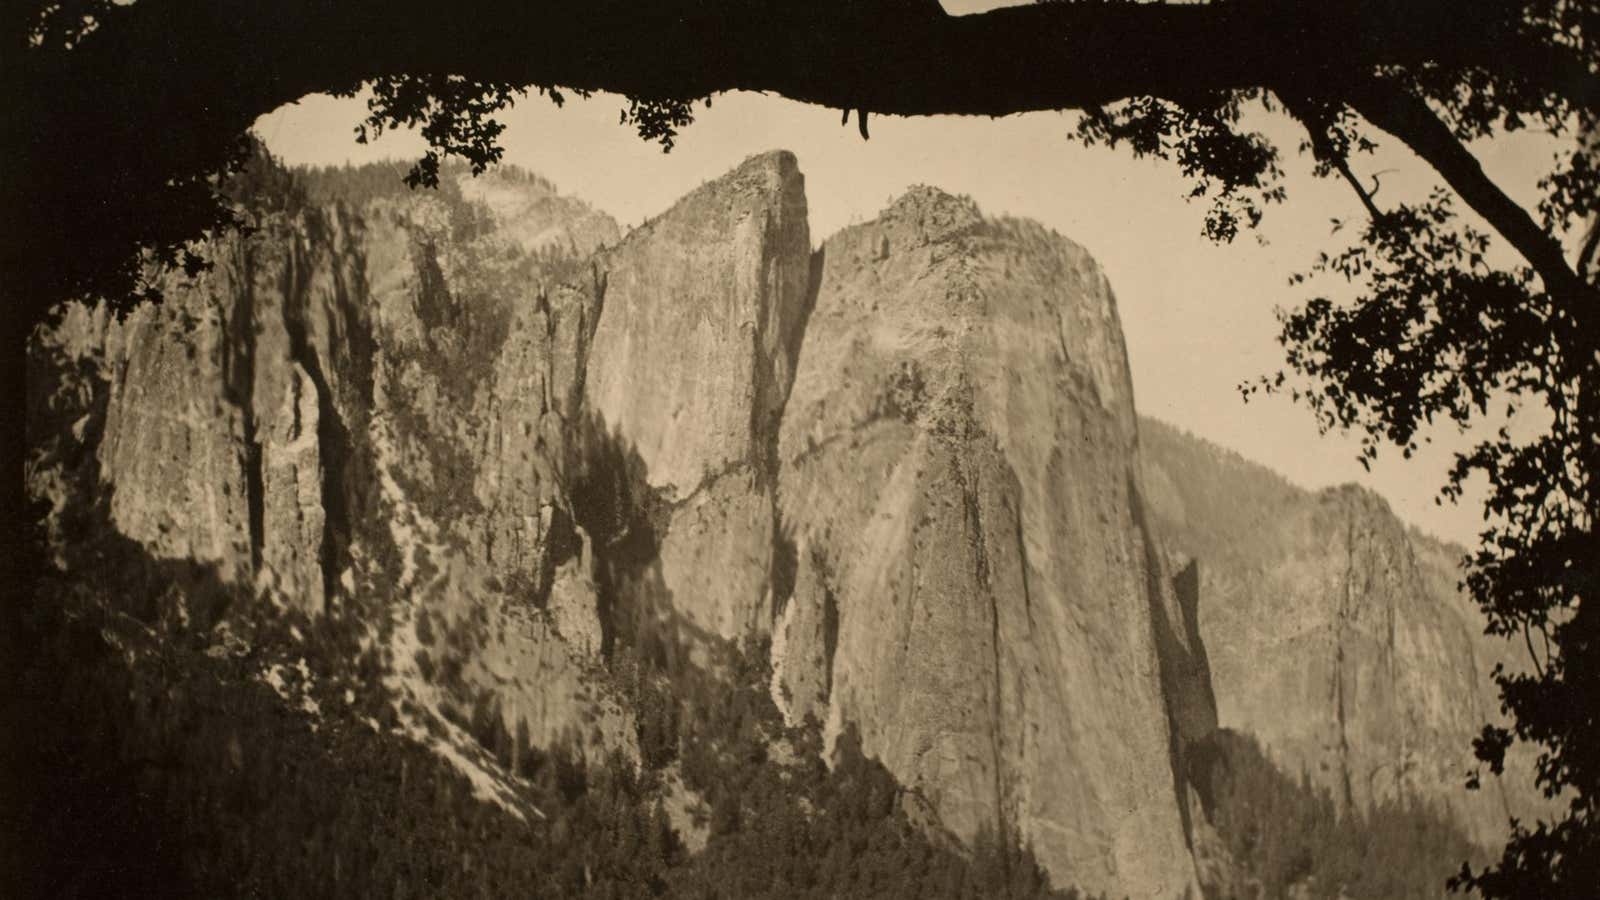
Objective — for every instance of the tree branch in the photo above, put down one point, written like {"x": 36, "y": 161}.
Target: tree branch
{"x": 887, "y": 57}
{"x": 1527, "y": 641}
{"x": 1317, "y": 129}
{"x": 1408, "y": 118}
{"x": 1342, "y": 163}
{"x": 163, "y": 87}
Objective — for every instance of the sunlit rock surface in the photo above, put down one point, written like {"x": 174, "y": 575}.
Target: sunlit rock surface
{"x": 690, "y": 368}
{"x": 369, "y": 402}
{"x": 975, "y": 586}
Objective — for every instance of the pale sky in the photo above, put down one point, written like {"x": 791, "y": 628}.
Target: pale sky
{"x": 1198, "y": 317}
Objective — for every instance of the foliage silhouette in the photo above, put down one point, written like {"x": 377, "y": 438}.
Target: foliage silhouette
{"x": 1436, "y": 334}
{"x": 72, "y": 74}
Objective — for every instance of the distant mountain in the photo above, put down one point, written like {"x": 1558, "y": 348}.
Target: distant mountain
{"x": 1335, "y": 634}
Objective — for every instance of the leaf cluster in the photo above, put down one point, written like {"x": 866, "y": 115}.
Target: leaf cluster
{"x": 1237, "y": 169}
{"x": 1433, "y": 333}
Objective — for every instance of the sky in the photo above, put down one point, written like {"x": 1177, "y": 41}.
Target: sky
{"x": 1198, "y": 317}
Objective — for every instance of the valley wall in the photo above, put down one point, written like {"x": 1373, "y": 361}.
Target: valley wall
{"x": 522, "y": 446}
{"x": 1336, "y": 635}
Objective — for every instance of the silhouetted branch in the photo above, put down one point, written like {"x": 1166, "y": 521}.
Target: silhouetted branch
{"x": 1342, "y": 163}
{"x": 1415, "y": 124}
{"x": 1527, "y": 640}
{"x": 164, "y": 87}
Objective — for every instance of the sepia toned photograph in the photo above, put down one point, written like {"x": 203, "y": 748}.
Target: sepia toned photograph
{"x": 743, "y": 450}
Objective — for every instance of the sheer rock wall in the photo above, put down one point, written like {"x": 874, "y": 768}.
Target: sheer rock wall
{"x": 975, "y": 589}
{"x": 365, "y": 405}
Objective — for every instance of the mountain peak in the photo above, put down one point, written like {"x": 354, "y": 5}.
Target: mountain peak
{"x": 933, "y": 212}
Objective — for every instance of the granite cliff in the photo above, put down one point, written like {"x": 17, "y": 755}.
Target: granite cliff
{"x": 536, "y": 457}
{"x": 1335, "y": 634}
{"x": 371, "y": 405}
{"x": 974, "y": 584}
{"x": 688, "y": 375}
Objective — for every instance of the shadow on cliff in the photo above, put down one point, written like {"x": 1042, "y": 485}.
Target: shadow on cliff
{"x": 1186, "y": 687}
{"x": 170, "y": 733}
{"x": 148, "y": 758}
{"x": 343, "y": 462}
{"x": 627, "y": 521}
{"x": 1277, "y": 834}
{"x": 126, "y": 707}
{"x": 89, "y": 756}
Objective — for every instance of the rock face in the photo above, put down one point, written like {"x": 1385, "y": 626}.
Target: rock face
{"x": 974, "y": 587}
{"x": 217, "y": 402}
{"x": 175, "y": 446}
{"x": 291, "y": 494}
{"x": 531, "y": 214}
{"x": 521, "y": 444}
{"x": 368, "y": 403}
{"x": 1335, "y": 635}
{"x": 690, "y": 368}
{"x": 528, "y": 447}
